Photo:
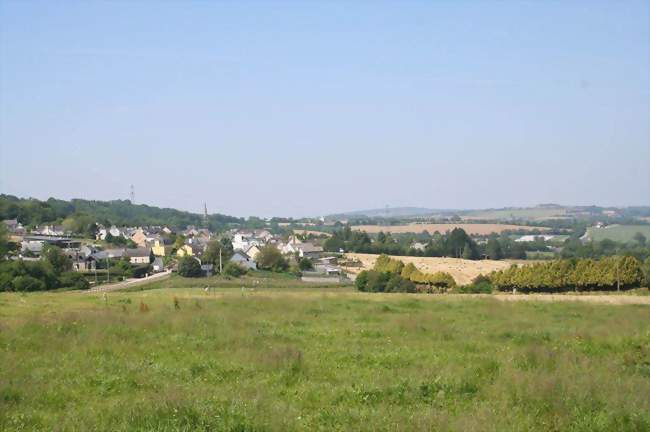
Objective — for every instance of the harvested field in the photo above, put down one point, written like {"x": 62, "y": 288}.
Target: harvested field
{"x": 316, "y": 233}
{"x": 462, "y": 270}
{"x": 471, "y": 229}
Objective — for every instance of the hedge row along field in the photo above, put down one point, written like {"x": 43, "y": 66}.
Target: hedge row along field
{"x": 391, "y": 275}
{"x": 568, "y": 275}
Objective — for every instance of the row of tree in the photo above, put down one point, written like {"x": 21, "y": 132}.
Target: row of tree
{"x": 455, "y": 243}
{"x": 391, "y": 275}
{"x": 618, "y": 272}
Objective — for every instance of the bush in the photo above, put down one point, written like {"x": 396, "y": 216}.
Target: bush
{"x": 305, "y": 264}
{"x": 361, "y": 282}
{"x": 189, "y": 267}
{"x": 28, "y": 283}
{"x": 234, "y": 270}
{"x": 482, "y": 287}
{"x": 73, "y": 280}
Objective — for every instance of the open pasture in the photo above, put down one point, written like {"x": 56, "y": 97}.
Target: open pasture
{"x": 319, "y": 359}
{"x": 471, "y": 229}
{"x": 619, "y": 233}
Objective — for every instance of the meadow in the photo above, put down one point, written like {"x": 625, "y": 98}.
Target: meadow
{"x": 619, "y": 233}
{"x": 328, "y": 358}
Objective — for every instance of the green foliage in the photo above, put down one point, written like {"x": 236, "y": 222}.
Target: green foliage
{"x": 234, "y": 270}
{"x": 73, "y": 280}
{"x": 26, "y": 283}
{"x": 189, "y": 267}
{"x": 482, "y": 287}
{"x": 305, "y": 263}
{"x": 81, "y": 214}
{"x": 564, "y": 275}
{"x": 214, "y": 247}
{"x": 270, "y": 258}
{"x": 385, "y": 263}
{"x": 21, "y": 275}
{"x": 56, "y": 258}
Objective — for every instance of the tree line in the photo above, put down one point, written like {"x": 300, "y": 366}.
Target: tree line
{"x": 392, "y": 275}
{"x": 611, "y": 273}
{"x": 80, "y": 215}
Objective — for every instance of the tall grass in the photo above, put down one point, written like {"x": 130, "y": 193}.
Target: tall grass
{"x": 319, "y": 360}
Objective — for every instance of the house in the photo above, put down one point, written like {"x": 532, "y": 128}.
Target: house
{"x": 51, "y": 230}
{"x": 253, "y": 251}
{"x": 534, "y": 237}
{"x": 190, "y": 249}
{"x": 207, "y": 269}
{"x": 138, "y": 255}
{"x": 113, "y": 231}
{"x": 14, "y": 227}
{"x": 109, "y": 254}
{"x": 157, "y": 265}
{"x": 31, "y": 247}
{"x": 241, "y": 258}
{"x": 140, "y": 238}
{"x": 161, "y": 248}
{"x": 308, "y": 250}
{"x": 419, "y": 246}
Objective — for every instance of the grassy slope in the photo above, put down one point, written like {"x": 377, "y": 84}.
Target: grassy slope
{"x": 319, "y": 360}
{"x": 619, "y": 233}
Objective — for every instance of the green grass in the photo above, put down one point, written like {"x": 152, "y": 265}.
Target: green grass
{"x": 318, "y": 359}
{"x": 619, "y": 233}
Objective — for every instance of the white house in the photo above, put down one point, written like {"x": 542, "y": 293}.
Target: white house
{"x": 241, "y": 258}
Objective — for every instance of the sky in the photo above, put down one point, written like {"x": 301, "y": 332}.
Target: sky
{"x": 311, "y": 108}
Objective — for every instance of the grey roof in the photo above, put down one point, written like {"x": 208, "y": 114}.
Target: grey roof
{"x": 138, "y": 252}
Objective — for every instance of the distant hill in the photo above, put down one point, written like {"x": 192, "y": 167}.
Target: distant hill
{"x": 30, "y": 211}
{"x": 392, "y": 212}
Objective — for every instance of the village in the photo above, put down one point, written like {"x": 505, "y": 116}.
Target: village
{"x": 138, "y": 252}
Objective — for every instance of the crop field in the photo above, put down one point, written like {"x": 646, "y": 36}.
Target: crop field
{"x": 524, "y": 213}
{"x": 471, "y": 229}
{"x": 462, "y": 270}
{"x": 318, "y": 359}
{"x": 619, "y": 233}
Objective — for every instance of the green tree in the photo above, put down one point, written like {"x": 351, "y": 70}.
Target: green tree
{"x": 189, "y": 267}
{"x": 493, "y": 249}
{"x": 305, "y": 263}
{"x": 270, "y": 258}
{"x": 56, "y": 258}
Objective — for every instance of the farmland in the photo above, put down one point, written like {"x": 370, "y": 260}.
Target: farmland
{"x": 537, "y": 213}
{"x": 619, "y": 233}
{"x": 471, "y": 229}
{"x": 462, "y": 270}
{"x": 318, "y": 359}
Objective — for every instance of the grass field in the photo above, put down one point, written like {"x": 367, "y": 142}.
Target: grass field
{"x": 462, "y": 270}
{"x": 471, "y": 229}
{"x": 318, "y": 359}
{"x": 619, "y": 233}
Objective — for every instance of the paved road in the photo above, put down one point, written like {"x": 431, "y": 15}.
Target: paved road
{"x": 130, "y": 283}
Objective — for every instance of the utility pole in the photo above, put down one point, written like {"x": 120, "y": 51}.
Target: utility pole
{"x": 220, "y": 267}
{"x": 132, "y": 194}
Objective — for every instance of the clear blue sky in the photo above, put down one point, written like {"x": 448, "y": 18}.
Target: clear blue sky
{"x": 305, "y": 108}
